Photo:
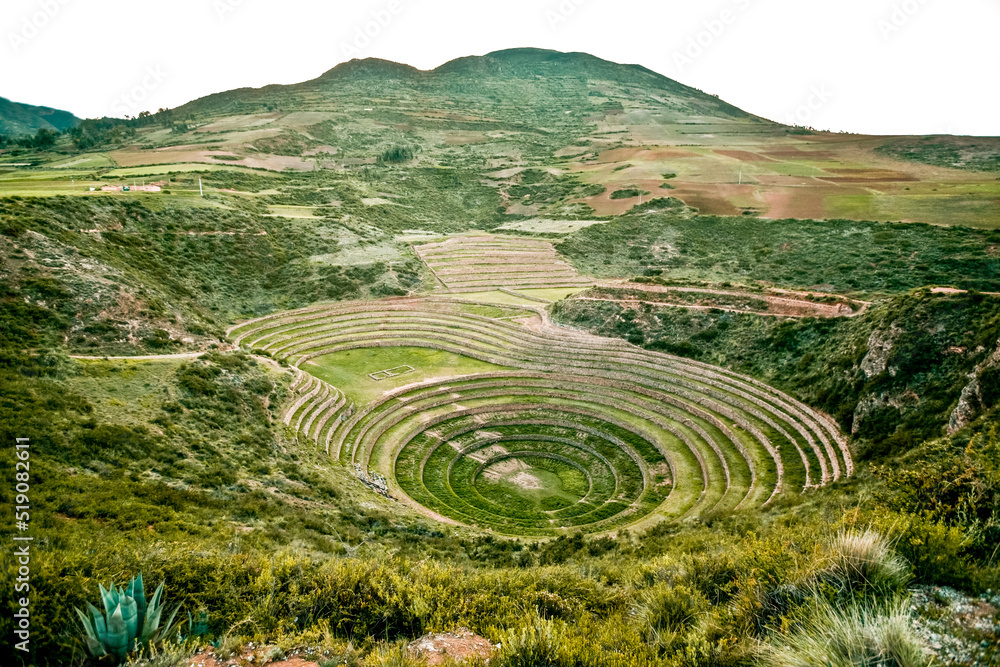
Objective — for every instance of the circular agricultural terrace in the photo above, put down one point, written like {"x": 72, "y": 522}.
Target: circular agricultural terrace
{"x": 570, "y": 432}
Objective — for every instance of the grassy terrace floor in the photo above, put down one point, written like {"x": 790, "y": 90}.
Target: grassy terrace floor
{"x": 349, "y": 369}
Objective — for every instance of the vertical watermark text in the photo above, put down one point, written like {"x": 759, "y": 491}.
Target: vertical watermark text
{"x": 22, "y": 544}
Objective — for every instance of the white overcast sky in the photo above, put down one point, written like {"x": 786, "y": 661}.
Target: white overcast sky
{"x": 873, "y": 66}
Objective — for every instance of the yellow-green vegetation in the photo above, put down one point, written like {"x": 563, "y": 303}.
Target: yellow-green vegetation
{"x": 835, "y": 255}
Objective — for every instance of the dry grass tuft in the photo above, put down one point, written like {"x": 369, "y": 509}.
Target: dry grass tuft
{"x": 853, "y": 637}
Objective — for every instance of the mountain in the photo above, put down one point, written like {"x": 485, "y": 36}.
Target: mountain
{"x": 528, "y": 82}
{"x": 18, "y": 119}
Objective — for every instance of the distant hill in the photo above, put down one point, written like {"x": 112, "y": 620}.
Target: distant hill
{"x": 19, "y": 119}
{"x": 527, "y": 83}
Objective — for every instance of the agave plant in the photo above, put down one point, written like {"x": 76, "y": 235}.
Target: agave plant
{"x": 128, "y": 622}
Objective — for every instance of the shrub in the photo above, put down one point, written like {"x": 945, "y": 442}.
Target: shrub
{"x": 848, "y": 638}
{"x": 543, "y": 643}
{"x": 628, "y": 193}
{"x": 934, "y": 549}
{"x": 862, "y": 562}
{"x": 668, "y": 611}
{"x": 989, "y": 387}
{"x": 397, "y": 154}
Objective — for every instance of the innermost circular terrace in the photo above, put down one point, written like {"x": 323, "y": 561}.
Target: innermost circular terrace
{"x": 615, "y": 435}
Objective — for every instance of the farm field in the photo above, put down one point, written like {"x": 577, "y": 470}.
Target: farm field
{"x": 483, "y": 263}
{"x": 554, "y": 294}
{"x": 548, "y": 226}
{"x": 303, "y": 212}
{"x": 496, "y": 297}
{"x": 813, "y": 176}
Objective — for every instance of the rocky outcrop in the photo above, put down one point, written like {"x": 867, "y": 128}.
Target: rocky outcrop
{"x": 873, "y": 402}
{"x": 970, "y": 403}
{"x": 880, "y": 346}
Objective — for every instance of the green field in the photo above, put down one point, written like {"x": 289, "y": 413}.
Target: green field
{"x": 349, "y": 370}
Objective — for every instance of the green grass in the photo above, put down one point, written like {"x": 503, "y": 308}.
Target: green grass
{"x": 86, "y": 161}
{"x": 558, "y": 485}
{"x": 348, "y": 370}
{"x": 496, "y": 297}
{"x": 493, "y": 312}
{"x": 124, "y": 391}
{"x": 552, "y": 294}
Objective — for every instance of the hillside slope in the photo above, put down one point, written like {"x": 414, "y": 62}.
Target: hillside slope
{"x": 524, "y": 82}
{"x": 19, "y": 119}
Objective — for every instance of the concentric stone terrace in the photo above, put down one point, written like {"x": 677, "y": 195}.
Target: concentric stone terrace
{"x": 570, "y": 432}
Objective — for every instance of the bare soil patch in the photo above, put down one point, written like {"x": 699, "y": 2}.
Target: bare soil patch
{"x": 460, "y": 645}
{"x": 644, "y": 154}
{"x": 247, "y": 657}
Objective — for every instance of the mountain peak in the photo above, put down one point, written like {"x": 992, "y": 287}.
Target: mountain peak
{"x": 370, "y": 67}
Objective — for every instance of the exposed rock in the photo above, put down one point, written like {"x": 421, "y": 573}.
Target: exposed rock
{"x": 970, "y": 403}
{"x": 458, "y": 646}
{"x": 957, "y": 629}
{"x": 880, "y": 345}
{"x": 873, "y": 402}
{"x": 247, "y": 656}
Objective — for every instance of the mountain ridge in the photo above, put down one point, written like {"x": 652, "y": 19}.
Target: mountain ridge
{"x": 496, "y": 72}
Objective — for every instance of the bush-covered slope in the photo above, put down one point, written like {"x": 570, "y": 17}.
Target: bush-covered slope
{"x": 832, "y": 255}
{"x": 24, "y": 119}
{"x": 106, "y": 275}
